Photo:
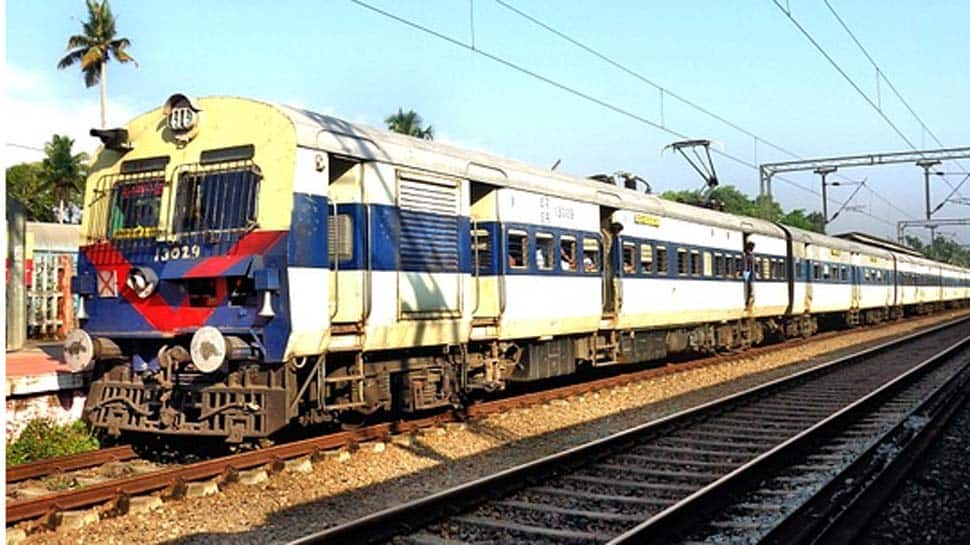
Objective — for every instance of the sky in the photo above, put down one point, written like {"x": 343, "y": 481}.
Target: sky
{"x": 741, "y": 60}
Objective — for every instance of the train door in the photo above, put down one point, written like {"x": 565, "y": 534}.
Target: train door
{"x": 610, "y": 230}
{"x": 348, "y": 236}
{"x": 430, "y": 238}
{"x": 487, "y": 247}
{"x": 748, "y": 269}
{"x": 809, "y": 266}
{"x": 856, "y": 266}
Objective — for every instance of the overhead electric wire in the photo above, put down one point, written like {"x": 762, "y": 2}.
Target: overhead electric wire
{"x": 573, "y": 91}
{"x": 644, "y": 79}
{"x": 665, "y": 90}
{"x": 23, "y": 146}
{"x": 846, "y": 203}
{"x": 849, "y": 79}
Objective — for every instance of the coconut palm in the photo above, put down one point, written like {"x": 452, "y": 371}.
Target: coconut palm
{"x": 409, "y": 123}
{"x": 95, "y": 47}
{"x": 62, "y": 172}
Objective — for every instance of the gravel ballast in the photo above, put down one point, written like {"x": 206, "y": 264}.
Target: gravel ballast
{"x": 345, "y": 486}
{"x": 931, "y": 507}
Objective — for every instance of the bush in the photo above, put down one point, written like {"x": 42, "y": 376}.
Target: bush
{"x": 44, "y": 438}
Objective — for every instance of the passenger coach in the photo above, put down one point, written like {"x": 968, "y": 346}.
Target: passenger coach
{"x": 246, "y": 265}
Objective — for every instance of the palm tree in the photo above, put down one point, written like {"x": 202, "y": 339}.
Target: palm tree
{"x": 409, "y": 123}
{"x": 96, "y": 47}
{"x": 62, "y": 172}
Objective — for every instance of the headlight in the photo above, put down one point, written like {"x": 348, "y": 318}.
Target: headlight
{"x": 78, "y": 350}
{"x": 142, "y": 281}
{"x": 208, "y": 349}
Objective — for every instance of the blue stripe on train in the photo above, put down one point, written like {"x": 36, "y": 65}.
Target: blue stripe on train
{"x": 405, "y": 240}
{"x": 308, "y": 231}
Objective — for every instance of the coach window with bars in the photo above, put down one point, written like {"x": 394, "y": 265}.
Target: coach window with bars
{"x": 591, "y": 255}
{"x": 544, "y": 244}
{"x": 482, "y": 250}
{"x": 629, "y": 258}
{"x": 683, "y": 262}
{"x": 663, "y": 262}
{"x": 646, "y": 258}
{"x": 340, "y": 239}
{"x": 567, "y": 253}
{"x": 518, "y": 249}
{"x": 695, "y": 263}
{"x": 216, "y": 200}
{"x": 134, "y": 209}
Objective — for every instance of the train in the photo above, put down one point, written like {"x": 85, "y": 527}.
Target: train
{"x": 248, "y": 266}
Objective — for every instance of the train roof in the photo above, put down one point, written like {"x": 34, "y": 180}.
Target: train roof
{"x": 356, "y": 140}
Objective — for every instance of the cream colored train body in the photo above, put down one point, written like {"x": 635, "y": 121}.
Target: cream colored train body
{"x": 246, "y": 265}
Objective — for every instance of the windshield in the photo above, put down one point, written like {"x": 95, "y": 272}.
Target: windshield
{"x": 216, "y": 201}
{"x": 134, "y": 209}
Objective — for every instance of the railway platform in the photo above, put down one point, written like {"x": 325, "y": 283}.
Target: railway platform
{"x": 38, "y": 384}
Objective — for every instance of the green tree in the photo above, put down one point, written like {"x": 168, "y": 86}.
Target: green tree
{"x": 26, "y": 185}
{"x": 95, "y": 47}
{"x": 810, "y": 221}
{"x": 62, "y": 173}
{"x": 941, "y": 249}
{"x": 409, "y": 123}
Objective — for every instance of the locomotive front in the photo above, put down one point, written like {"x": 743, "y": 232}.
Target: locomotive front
{"x": 186, "y": 266}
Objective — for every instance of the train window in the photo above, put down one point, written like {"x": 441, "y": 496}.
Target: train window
{"x": 629, "y": 258}
{"x": 591, "y": 255}
{"x": 481, "y": 250}
{"x": 518, "y": 249}
{"x": 216, "y": 200}
{"x": 695, "y": 263}
{"x": 708, "y": 264}
{"x": 567, "y": 253}
{"x": 340, "y": 237}
{"x": 135, "y": 206}
{"x": 718, "y": 265}
{"x": 663, "y": 266}
{"x": 738, "y": 266}
{"x": 816, "y": 271}
{"x": 766, "y": 268}
{"x": 544, "y": 251}
{"x": 683, "y": 265}
{"x": 826, "y": 272}
{"x": 646, "y": 258}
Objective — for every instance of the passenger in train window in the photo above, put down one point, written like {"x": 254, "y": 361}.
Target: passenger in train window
{"x": 591, "y": 255}
{"x": 567, "y": 254}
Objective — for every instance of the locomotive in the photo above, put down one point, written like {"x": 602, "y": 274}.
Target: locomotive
{"x": 245, "y": 266}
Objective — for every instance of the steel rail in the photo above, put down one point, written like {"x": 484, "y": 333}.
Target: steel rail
{"x": 417, "y": 513}
{"x": 172, "y": 479}
{"x": 674, "y": 519}
{"x": 72, "y": 462}
{"x": 845, "y": 505}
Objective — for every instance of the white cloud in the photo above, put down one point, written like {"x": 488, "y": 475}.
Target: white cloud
{"x": 33, "y": 112}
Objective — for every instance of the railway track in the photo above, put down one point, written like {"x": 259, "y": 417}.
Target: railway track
{"x": 173, "y": 480}
{"x": 723, "y": 472}
{"x": 74, "y": 462}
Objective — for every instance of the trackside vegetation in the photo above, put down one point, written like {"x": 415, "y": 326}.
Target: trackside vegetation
{"x": 44, "y": 438}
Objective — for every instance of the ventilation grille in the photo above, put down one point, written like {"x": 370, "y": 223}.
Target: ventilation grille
{"x": 429, "y": 226}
